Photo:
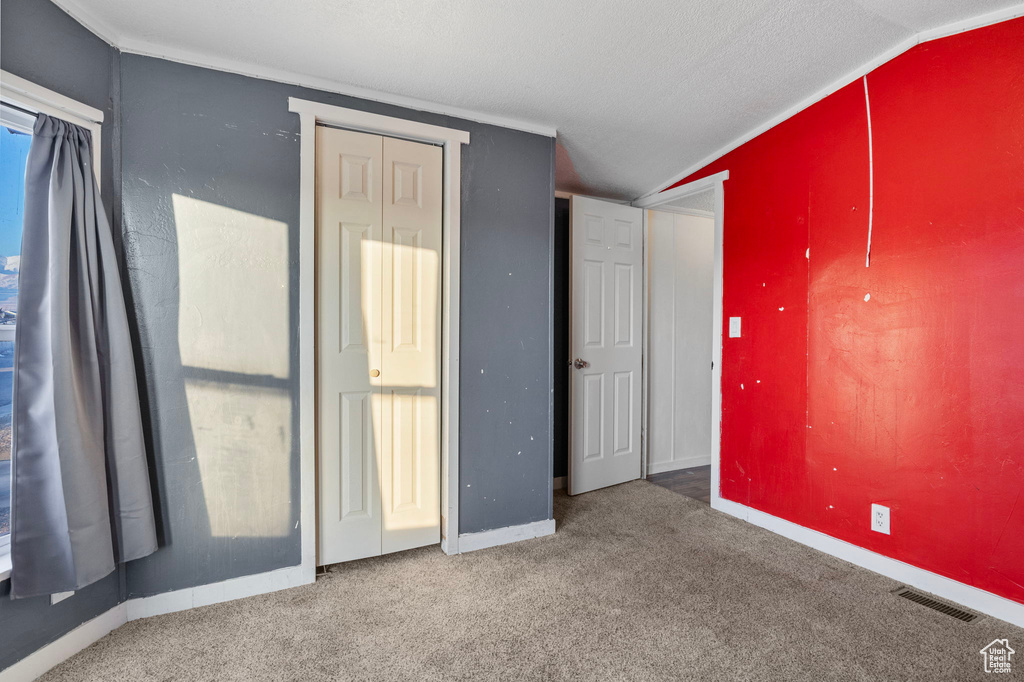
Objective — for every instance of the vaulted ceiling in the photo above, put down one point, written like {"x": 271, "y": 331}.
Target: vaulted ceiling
{"x": 638, "y": 91}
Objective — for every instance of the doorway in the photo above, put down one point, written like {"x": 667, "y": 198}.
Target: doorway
{"x": 680, "y": 274}
{"x": 681, "y": 406}
{"x": 378, "y": 343}
{"x": 704, "y": 198}
{"x": 450, "y": 140}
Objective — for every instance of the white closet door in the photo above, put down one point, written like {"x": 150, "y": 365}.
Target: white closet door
{"x": 411, "y": 346}
{"x": 680, "y": 295}
{"x": 349, "y": 259}
{"x": 607, "y": 299}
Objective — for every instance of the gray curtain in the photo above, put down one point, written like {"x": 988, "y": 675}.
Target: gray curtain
{"x": 81, "y": 499}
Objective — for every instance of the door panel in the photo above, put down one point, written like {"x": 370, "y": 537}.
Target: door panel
{"x": 607, "y": 271}
{"x": 411, "y": 345}
{"x": 378, "y": 344}
{"x": 348, "y": 339}
{"x": 681, "y": 282}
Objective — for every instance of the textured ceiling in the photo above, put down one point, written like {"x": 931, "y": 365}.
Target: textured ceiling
{"x": 638, "y": 91}
{"x": 702, "y": 201}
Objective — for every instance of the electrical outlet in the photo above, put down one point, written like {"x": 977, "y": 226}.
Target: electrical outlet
{"x": 880, "y": 519}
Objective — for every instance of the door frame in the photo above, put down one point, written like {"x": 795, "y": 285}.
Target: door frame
{"x": 717, "y": 183}
{"x": 451, "y": 140}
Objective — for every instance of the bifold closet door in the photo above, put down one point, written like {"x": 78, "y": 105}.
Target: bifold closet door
{"x": 349, "y": 257}
{"x": 411, "y": 346}
{"x": 378, "y": 344}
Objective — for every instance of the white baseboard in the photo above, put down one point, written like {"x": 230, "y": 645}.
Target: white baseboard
{"x": 947, "y": 588}
{"x": 41, "y": 660}
{"x": 684, "y": 463}
{"x": 469, "y": 542}
{"x": 559, "y": 482}
{"x": 214, "y": 593}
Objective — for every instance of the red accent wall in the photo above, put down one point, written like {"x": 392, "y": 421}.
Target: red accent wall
{"x": 915, "y": 398}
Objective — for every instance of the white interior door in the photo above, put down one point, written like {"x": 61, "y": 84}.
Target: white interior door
{"x": 378, "y": 344}
{"x": 411, "y": 346}
{"x": 680, "y": 267}
{"x": 349, "y": 214}
{"x": 606, "y": 342}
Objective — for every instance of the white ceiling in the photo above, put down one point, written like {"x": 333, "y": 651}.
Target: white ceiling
{"x": 638, "y": 91}
{"x": 702, "y": 201}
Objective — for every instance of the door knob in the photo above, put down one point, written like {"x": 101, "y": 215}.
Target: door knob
{"x": 374, "y": 373}
{"x": 580, "y": 363}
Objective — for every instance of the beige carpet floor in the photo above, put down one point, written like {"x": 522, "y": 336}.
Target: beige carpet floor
{"x": 638, "y": 583}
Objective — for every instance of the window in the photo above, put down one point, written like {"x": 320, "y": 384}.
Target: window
{"x": 15, "y": 138}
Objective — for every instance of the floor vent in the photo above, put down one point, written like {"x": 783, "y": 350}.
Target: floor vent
{"x": 935, "y": 604}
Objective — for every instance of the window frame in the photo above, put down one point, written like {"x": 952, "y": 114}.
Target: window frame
{"x": 29, "y": 97}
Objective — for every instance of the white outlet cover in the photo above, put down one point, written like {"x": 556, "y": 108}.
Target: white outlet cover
{"x": 880, "y": 519}
{"x": 734, "y": 327}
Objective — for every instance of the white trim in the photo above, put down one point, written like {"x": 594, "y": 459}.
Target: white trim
{"x": 307, "y": 334}
{"x": 56, "y": 652}
{"x": 90, "y": 19}
{"x": 37, "y": 99}
{"x": 656, "y": 199}
{"x": 176, "y": 54}
{"x": 562, "y": 194}
{"x": 684, "y": 210}
{"x": 5, "y": 559}
{"x": 678, "y": 464}
{"x": 58, "y": 597}
{"x": 215, "y": 593}
{"x": 16, "y": 119}
{"x": 45, "y": 100}
{"x": 979, "y": 21}
{"x": 645, "y": 351}
{"x": 922, "y": 37}
{"x": 365, "y": 122}
{"x": 104, "y": 30}
{"x": 470, "y": 542}
{"x": 717, "y": 319}
{"x": 972, "y": 597}
{"x": 451, "y": 139}
{"x": 947, "y": 588}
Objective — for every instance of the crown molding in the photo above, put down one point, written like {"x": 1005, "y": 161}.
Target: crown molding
{"x": 944, "y": 31}
{"x": 106, "y": 32}
{"x": 91, "y": 20}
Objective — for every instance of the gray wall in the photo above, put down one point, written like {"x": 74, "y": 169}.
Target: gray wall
{"x": 41, "y": 43}
{"x": 204, "y": 167}
{"x": 197, "y": 142}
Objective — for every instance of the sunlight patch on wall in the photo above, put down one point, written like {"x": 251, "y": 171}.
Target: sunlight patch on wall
{"x": 233, "y": 337}
{"x": 233, "y": 310}
{"x": 243, "y": 447}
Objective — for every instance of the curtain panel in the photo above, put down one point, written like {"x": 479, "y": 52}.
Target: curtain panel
{"x": 81, "y": 495}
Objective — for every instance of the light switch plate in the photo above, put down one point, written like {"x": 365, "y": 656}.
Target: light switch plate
{"x": 734, "y": 327}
